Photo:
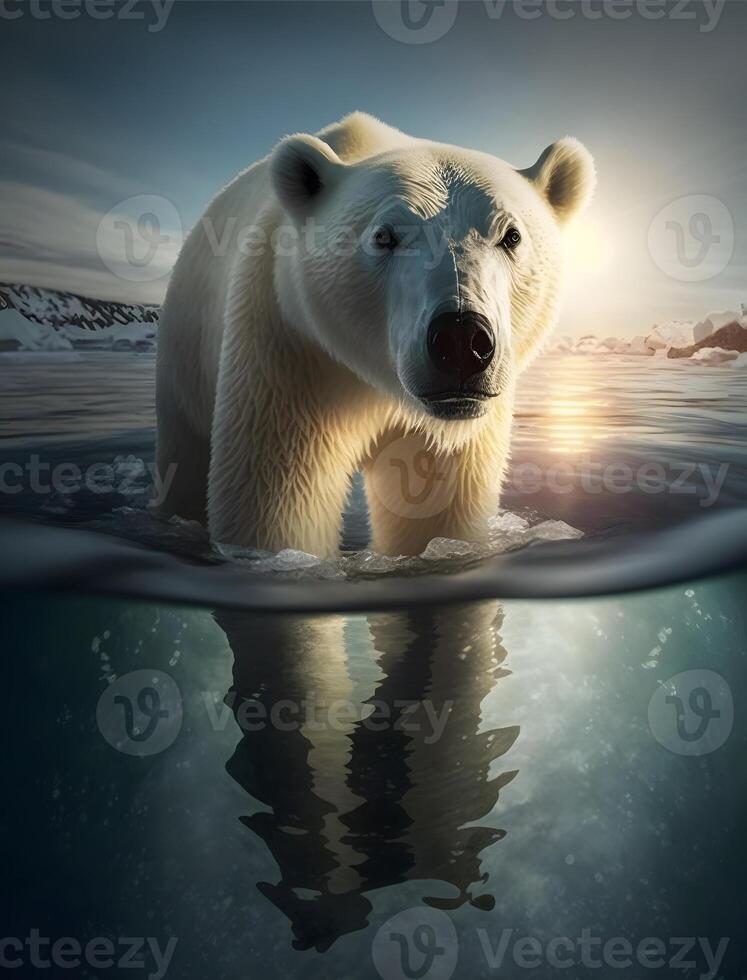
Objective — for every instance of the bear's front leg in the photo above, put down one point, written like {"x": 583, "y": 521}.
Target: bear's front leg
{"x": 281, "y": 459}
{"x": 417, "y": 493}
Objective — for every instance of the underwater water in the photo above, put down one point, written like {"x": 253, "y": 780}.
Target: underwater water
{"x": 517, "y": 759}
{"x": 401, "y": 794}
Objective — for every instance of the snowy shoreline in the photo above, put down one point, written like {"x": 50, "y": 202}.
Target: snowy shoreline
{"x": 671, "y": 341}
{"x": 36, "y": 320}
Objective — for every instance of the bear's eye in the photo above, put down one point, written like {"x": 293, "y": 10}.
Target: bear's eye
{"x": 385, "y": 239}
{"x": 511, "y": 239}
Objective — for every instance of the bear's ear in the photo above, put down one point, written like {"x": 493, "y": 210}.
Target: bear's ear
{"x": 565, "y": 175}
{"x": 302, "y": 169}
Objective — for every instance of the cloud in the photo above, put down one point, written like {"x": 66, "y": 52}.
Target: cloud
{"x": 62, "y": 172}
{"x": 54, "y": 239}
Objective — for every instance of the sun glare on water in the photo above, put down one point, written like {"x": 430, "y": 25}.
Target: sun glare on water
{"x": 571, "y": 411}
{"x": 572, "y": 426}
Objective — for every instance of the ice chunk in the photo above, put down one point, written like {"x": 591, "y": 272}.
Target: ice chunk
{"x": 370, "y": 563}
{"x": 506, "y": 523}
{"x": 236, "y": 553}
{"x": 130, "y": 474}
{"x": 451, "y": 548}
{"x": 655, "y": 342}
{"x": 674, "y": 333}
{"x": 289, "y": 560}
{"x": 506, "y": 532}
{"x": 713, "y": 355}
{"x": 554, "y": 531}
{"x": 509, "y": 531}
{"x": 639, "y": 346}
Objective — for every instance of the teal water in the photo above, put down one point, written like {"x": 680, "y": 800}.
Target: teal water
{"x": 270, "y": 791}
{"x": 526, "y": 788}
{"x": 608, "y": 444}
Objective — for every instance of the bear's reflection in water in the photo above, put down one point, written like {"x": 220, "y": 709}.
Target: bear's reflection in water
{"x": 374, "y": 779}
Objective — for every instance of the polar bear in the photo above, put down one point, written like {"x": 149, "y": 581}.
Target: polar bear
{"x": 359, "y": 300}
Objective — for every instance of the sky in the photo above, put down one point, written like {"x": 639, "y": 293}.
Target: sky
{"x": 148, "y": 107}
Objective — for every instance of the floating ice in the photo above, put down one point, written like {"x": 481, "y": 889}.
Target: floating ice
{"x": 661, "y": 337}
{"x": 117, "y": 337}
{"x": 506, "y": 532}
{"x": 506, "y": 523}
{"x": 130, "y": 474}
{"x": 713, "y": 355}
{"x": 450, "y": 548}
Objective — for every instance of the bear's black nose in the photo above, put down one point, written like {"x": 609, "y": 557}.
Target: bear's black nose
{"x": 461, "y": 345}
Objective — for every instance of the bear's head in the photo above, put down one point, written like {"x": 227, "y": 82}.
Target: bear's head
{"x": 431, "y": 272}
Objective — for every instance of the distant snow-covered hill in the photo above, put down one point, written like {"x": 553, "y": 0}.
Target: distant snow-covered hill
{"x": 37, "y": 319}
{"x": 58, "y": 309}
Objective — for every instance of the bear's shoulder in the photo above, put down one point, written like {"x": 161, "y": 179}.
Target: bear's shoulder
{"x": 358, "y": 136}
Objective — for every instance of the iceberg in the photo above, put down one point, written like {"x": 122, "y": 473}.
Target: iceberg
{"x": 674, "y": 333}
{"x": 639, "y": 346}
{"x": 610, "y": 343}
{"x": 587, "y": 345}
{"x": 118, "y": 336}
{"x": 713, "y": 322}
{"x": 560, "y": 345}
{"x": 18, "y": 333}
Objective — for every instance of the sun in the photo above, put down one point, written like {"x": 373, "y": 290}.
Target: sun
{"x": 589, "y": 247}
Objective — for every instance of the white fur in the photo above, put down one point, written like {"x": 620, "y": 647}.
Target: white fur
{"x": 286, "y": 366}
